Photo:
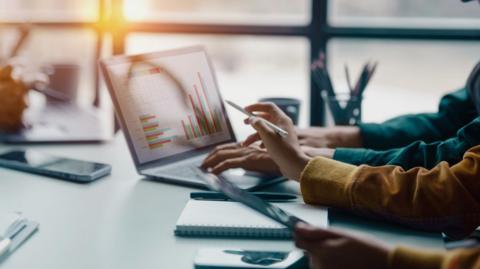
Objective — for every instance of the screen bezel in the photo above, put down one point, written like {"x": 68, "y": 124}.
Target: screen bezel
{"x": 119, "y": 114}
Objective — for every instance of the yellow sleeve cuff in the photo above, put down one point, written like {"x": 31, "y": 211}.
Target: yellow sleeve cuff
{"x": 403, "y": 257}
{"x": 327, "y": 182}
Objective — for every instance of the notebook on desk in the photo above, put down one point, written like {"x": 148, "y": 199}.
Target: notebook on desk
{"x": 232, "y": 219}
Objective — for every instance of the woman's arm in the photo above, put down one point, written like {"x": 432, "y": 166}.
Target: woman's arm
{"x": 404, "y": 257}
{"x": 455, "y": 110}
{"x": 331, "y": 249}
{"x": 417, "y": 153}
{"x": 444, "y": 198}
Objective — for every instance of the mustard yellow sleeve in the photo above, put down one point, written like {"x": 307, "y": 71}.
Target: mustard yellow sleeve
{"x": 445, "y": 198}
{"x": 327, "y": 182}
{"x": 404, "y": 257}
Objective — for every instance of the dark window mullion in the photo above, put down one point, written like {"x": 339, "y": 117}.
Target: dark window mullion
{"x": 231, "y": 29}
{"x": 406, "y": 33}
{"x": 318, "y": 42}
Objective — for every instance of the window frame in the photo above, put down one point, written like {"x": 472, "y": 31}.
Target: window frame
{"x": 318, "y": 33}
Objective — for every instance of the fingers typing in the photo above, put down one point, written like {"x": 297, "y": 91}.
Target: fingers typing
{"x": 251, "y": 139}
{"x": 221, "y": 155}
{"x": 229, "y": 164}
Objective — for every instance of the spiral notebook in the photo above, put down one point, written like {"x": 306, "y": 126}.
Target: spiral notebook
{"x": 202, "y": 218}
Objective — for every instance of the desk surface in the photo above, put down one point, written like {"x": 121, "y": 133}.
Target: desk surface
{"x": 125, "y": 221}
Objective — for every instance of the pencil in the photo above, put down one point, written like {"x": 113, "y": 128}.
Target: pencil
{"x": 349, "y": 83}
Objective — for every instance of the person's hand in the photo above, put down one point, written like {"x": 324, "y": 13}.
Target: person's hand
{"x": 318, "y": 152}
{"x": 234, "y": 155}
{"x": 285, "y": 151}
{"x": 329, "y": 249}
{"x": 331, "y": 137}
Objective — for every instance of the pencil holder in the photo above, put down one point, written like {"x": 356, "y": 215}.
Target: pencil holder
{"x": 343, "y": 109}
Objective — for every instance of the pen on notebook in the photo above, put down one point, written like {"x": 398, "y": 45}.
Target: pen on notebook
{"x": 277, "y": 129}
{"x": 210, "y": 195}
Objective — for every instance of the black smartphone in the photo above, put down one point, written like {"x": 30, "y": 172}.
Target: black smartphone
{"x": 214, "y": 258}
{"x": 44, "y": 164}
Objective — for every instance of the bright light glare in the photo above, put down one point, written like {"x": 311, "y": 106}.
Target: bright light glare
{"x": 135, "y": 10}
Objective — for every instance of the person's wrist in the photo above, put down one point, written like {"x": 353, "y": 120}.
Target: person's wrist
{"x": 318, "y": 152}
{"x": 301, "y": 163}
{"x": 345, "y": 136}
{"x": 327, "y": 153}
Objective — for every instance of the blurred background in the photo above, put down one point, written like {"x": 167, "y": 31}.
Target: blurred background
{"x": 263, "y": 48}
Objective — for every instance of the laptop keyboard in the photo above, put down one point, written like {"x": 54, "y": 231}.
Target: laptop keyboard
{"x": 185, "y": 171}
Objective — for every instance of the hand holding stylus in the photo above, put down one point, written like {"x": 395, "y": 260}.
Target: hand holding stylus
{"x": 277, "y": 129}
{"x": 285, "y": 151}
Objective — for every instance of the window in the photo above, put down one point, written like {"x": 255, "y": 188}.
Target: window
{"x": 257, "y": 12}
{"x": 48, "y": 10}
{"x": 405, "y": 13}
{"x": 267, "y": 44}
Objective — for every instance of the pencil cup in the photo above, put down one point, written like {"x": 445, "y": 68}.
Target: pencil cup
{"x": 343, "y": 109}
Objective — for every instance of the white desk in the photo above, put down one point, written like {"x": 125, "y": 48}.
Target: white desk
{"x": 124, "y": 221}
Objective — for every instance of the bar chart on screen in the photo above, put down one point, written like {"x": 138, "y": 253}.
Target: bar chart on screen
{"x": 205, "y": 121}
{"x": 155, "y": 135}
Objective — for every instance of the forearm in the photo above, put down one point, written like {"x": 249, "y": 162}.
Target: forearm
{"x": 403, "y": 257}
{"x": 401, "y": 131}
{"x": 327, "y": 182}
{"x": 455, "y": 110}
{"x": 441, "y": 199}
{"x": 418, "y": 153}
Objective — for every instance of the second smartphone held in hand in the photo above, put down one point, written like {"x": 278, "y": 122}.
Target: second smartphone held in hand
{"x": 44, "y": 164}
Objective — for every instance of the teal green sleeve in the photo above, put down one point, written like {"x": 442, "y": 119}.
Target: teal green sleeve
{"x": 417, "y": 153}
{"x": 455, "y": 110}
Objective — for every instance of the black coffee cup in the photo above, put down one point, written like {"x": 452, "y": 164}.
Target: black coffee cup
{"x": 289, "y": 106}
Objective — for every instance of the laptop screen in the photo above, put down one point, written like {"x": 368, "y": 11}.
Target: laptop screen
{"x": 169, "y": 102}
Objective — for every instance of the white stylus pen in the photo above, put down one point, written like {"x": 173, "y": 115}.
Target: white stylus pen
{"x": 15, "y": 228}
{"x": 277, "y": 129}
{"x": 4, "y": 245}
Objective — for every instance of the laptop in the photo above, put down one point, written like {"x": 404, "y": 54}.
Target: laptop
{"x": 170, "y": 109}
{"x": 63, "y": 123}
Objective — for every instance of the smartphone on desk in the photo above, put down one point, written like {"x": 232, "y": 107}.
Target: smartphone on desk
{"x": 215, "y": 258}
{"x": 44, "y": 164}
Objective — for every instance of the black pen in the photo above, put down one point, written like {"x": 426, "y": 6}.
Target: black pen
{"x": 217, "y": 196}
